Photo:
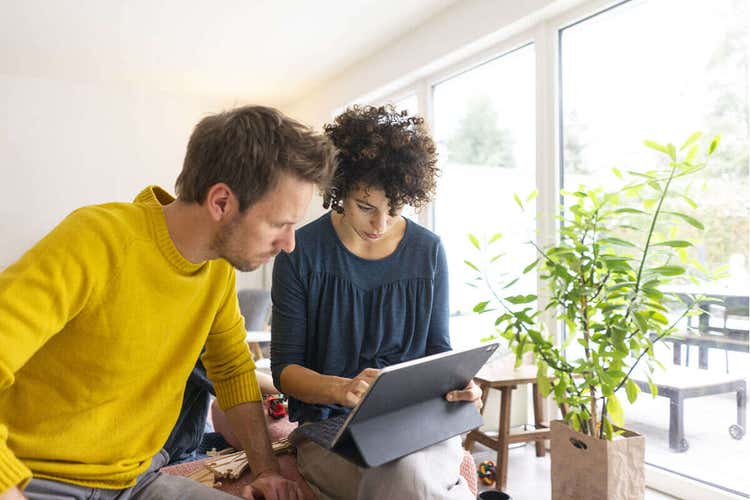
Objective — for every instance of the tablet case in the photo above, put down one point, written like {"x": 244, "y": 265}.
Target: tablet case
{"x": 405, "y": 409}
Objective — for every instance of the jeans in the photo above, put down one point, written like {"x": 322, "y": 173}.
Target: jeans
{"x": 151, "y": 485}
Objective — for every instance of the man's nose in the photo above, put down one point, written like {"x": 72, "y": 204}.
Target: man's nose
{"x": 286, "y": 243}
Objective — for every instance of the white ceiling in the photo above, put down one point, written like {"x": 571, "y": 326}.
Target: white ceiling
{"x": 264, "y": 51}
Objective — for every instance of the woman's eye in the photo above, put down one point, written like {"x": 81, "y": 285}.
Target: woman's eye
{"x": 365, "y": 209}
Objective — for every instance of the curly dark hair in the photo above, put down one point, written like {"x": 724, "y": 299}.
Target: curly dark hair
{"x": 379, "y": 147}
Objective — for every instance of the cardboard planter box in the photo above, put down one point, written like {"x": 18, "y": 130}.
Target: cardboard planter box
{"x": 596, "y": 469}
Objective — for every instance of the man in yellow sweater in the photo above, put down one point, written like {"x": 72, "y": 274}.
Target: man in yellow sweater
{"x": 102, "y": 320}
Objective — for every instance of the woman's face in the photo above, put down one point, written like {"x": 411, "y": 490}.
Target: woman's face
{"x": 367, "y": 212}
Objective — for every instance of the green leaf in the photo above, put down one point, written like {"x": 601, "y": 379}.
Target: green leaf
{"x": 521, "y": 299}
{"x": 632, "y": 390}
{"x": 608, "y": 429}
{"x": 689, "y": 200}
{"x": 481, "y": 307}
{"x": 575, "y": 421}
{"x": 615, "y": 411}
{"x": 690, "y": 220}
{"x": 468, "y": 263}
{"x": 518, "y": 200}
{"x": 495, "y": 257}
{"x": 668, "y": 270}
{"x": 656, "y": 146}
{"x": 513, "y": 282}
{"x": 673, "y": 243}
{"x": 560, "y": 386}
{"x": 617, "y": 172}
{"x": 652, "y": 387}
{"x": 532, "y": 195}
{"x": 652, "y": 293}
{"x": 712, "y": 146}
{"x": 617, "y": 241}
{"x": 690, "y": 140}
{"x": 502, "y": 318}
{"x": 474, "y": 241}
{"x": 495, "y": 237}
{"x": 628, "y": 210}
{"x": 542, "y": 380}
{"x": 619, "y": 286}
{"x": 530, "y": 266}
{"x": 672, "y": 152}
{"x": 659, "y": 318}
{"x": 641, "y": 174}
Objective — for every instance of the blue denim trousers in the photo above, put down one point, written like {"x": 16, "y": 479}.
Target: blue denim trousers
{"x": 151, "y": 485}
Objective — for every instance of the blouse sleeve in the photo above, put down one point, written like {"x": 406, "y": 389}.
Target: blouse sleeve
{"x": 438, "y": 337}
{"x": 289, "y": 320}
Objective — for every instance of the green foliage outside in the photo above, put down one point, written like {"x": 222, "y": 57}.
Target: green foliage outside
{"x": 478, "y": 139}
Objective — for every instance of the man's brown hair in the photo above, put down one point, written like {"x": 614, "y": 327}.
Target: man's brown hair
{"x": 248, "y": 148}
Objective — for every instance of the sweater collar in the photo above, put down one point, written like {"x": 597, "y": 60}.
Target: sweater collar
{"x": 154, "y": 198}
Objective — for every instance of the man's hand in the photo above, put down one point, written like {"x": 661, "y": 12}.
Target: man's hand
{"x": 353, "y": 390}
{"x": 471, "y": 392}
{"x": 272, "y": 486}
{"x": 12, "y": 494}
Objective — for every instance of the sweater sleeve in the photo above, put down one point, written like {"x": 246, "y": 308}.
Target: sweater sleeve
{"x": 39, "y": 294}
{"x": 227, "y": 358}
{"x": 289, "y": 320}
{"x": 438, "y": 336}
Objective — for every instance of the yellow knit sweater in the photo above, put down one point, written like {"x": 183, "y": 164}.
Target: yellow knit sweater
{"x": 101, "y": 323}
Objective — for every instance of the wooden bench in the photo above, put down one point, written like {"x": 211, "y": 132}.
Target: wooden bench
{"x": 679, "y": 383}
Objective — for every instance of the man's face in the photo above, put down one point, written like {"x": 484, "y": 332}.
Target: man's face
{"x": 252, "y": 238}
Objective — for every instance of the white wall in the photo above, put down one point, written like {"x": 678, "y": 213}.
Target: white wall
{"x": 66, "y": 144}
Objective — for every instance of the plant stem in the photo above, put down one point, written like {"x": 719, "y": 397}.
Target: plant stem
{"x": 638, "y": 359}
{"x": 648, "y": 242}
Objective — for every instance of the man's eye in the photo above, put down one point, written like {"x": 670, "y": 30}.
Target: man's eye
{"x": 364, "y": 209}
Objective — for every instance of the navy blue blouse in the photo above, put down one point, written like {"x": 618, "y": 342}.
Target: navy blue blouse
{"x": 337, "y": 313}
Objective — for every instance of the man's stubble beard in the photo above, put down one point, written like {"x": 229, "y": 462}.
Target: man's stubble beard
{"x": 221, "y": 245}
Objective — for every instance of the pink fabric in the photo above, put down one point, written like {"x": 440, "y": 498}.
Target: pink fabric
{"x": 469, "y": 472}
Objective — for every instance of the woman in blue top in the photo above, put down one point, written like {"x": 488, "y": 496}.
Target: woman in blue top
{"x": 365, "y": 288}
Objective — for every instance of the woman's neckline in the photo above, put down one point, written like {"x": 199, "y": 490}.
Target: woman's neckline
{"x": 399, "y": 246}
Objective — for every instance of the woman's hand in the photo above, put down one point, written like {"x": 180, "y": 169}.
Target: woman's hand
{"x": 351, "y": 391}
{"x": 471, "y": 392}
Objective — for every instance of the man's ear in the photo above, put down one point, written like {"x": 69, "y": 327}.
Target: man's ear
{"x": 221, "y": 202}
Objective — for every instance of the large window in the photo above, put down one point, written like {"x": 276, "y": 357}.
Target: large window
{"x": 484, "y": 127}
{"x": 639, "y": 69}
{"x": 662, "y": 69}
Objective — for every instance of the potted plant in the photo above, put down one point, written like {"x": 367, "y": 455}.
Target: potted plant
{"x": 606, "y": 281}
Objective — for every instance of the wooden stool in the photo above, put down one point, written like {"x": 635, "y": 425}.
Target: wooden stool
{"x": 505, "y": 379}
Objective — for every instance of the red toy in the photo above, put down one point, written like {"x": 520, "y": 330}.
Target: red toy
{"x": 276, "y": 406}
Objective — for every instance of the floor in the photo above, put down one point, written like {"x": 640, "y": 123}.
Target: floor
{"x": 528, "y": 476}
